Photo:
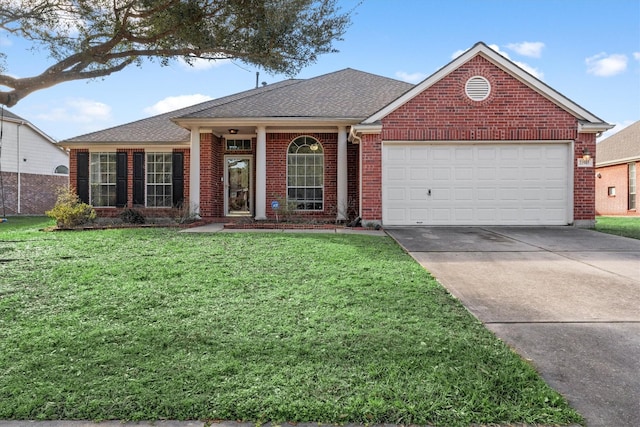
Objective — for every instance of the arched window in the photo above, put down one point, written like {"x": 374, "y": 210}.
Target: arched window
{"x": 305, "y": 174}
{"x": 62, "y": 169}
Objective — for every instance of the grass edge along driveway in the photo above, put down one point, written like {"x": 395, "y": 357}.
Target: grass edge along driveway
{"x": 151, "y": 324}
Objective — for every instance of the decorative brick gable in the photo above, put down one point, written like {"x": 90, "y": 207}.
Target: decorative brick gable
{"x": 512, "y": 111}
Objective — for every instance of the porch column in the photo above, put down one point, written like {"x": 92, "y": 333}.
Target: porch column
{"x": 261, "y": 173}
{"x": 194, "y": 172}
{"x": 343, "y": 197}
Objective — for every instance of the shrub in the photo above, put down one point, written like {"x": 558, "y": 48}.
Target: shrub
{"x": 69, "y": 211}
{"x": 132, "y": 216}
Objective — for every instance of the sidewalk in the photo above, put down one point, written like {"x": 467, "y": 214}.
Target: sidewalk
{"x": 219, "y": 228}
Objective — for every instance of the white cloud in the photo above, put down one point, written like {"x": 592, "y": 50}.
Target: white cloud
{"x": 528, "y": 68}
{"x": 199, "y": 64}
{"x": 531, "y": 70}
{"x": 411, "y": 78}
{"x": 531, "y": 49}
{"x": 457, "y": 53}
{"x": 604, "y": 65}
{"x": 636, "y": 55}
{"x": 172, "y": 103}
{"x": 78, "y": 110}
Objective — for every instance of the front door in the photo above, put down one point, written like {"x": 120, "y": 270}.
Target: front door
{"x": 238, "y": 196}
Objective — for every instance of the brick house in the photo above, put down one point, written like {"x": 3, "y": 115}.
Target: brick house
{"x": 617, "y": 165}
{"x": 33, "y": 167}
{"x": 480, "y": 141}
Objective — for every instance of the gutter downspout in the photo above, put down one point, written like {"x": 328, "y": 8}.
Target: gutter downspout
{"x": 19, "y": 209}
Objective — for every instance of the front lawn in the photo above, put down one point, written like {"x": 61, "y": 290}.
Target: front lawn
{"x": 150, "y": 324}
{"x": 621, "y": 226}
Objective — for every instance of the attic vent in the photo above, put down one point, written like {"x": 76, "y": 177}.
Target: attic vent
{"x": 477, "y": 88}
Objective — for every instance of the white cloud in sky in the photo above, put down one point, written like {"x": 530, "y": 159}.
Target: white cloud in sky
{"x": 199, "y": 64}
{"x": 77, "y": 110}
{"x": 410, "y": 77}
{"x": 172, "y": 103}
{"x": 605, "y": 65}
{"x": 531, "y": 49}
{"x": 636, "y": 55}
{"x": 528, "y": 68}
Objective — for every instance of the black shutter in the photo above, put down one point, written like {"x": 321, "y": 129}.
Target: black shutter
{"x": 138, "y": 178}
{"x": 121, "y": 179}
{"x": 82, "y": 176}
{"x": 178, "y": 178}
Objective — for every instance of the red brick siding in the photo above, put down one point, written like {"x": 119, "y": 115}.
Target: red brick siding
{"x": 73, "y": 166}
{"x": 371, "y": 192}
{"x": 38, "y": 193}
{"x": 277, "y": 146}
{"x": 513, "y": 111}
{"x": 207, "y": 186}
{"x": 353, "y": 177}
{"x": 614, "y": 176}
{"x": 584, "y": 201}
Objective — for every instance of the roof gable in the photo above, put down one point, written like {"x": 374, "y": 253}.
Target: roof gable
{"x": 8, "y": 116}
{"x": 621, "y": 147}
{"x": 591, "y": 123}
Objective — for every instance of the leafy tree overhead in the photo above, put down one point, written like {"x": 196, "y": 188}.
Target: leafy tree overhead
{"x": 88, "y": 39}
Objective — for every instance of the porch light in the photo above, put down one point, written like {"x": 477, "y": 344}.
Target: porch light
{"x": 586, "y": 154}
{"x": 233, "y": 131}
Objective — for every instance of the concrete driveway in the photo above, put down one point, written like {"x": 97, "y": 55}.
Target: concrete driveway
{"x": 567, "y": 299}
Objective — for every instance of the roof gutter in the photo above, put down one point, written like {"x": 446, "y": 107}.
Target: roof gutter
{"x": 599, "y": 128}
{"x": 618, "y": 161}
{"x": 356, "y": 131}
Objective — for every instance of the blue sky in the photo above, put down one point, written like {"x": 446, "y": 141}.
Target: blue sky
{"x": 588, "y": 50}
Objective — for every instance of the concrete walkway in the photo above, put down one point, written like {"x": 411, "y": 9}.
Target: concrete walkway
{"x": 567, "y": 299}
{"x": 219, "y": 228}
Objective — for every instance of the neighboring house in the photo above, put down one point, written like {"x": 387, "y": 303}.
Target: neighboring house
{"x": 617, "y": 166}
{"x": 33, "y": 167}
{"x": 481, "y": 141}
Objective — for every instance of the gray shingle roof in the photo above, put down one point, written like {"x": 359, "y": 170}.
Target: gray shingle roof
{"x": 620, "y": 147}
{"x": 343, "y": 94}
{"x": 9, "y": 115}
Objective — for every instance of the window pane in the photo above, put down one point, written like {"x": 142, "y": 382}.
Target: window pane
{"x": 159, "y": 179}
{"x": 102, "y": 176}
{"x": 305, "y": 173}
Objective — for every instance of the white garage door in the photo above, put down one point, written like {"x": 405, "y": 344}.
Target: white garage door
{"x": 488, "y": 184}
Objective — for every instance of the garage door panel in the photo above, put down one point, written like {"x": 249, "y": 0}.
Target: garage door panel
{"x": 463, "y": 194}
{"x": 417, "y": 194}
{"x": 396, "y": 174}
{"x": 489, "y": 184}
{"x": 396, "y": 153}
{"x": 440, "y": 174}
{"x": 440, "y": 153}
{"x": 396, "y": 194}
{"x": 418, "y": 173}
{"x": 417, "y": 154}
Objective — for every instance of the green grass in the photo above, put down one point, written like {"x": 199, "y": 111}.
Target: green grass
{"x": 150, "y": 324}
{"x": 621, "y": 226}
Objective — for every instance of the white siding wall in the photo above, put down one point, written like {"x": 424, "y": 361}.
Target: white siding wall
{"x": 42, "y": 157}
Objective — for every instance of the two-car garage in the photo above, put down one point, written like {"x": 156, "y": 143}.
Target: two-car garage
{"x": 524, "y": 183}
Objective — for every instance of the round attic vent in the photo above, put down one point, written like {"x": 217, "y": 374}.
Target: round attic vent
{"x": 477, "y": 88}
